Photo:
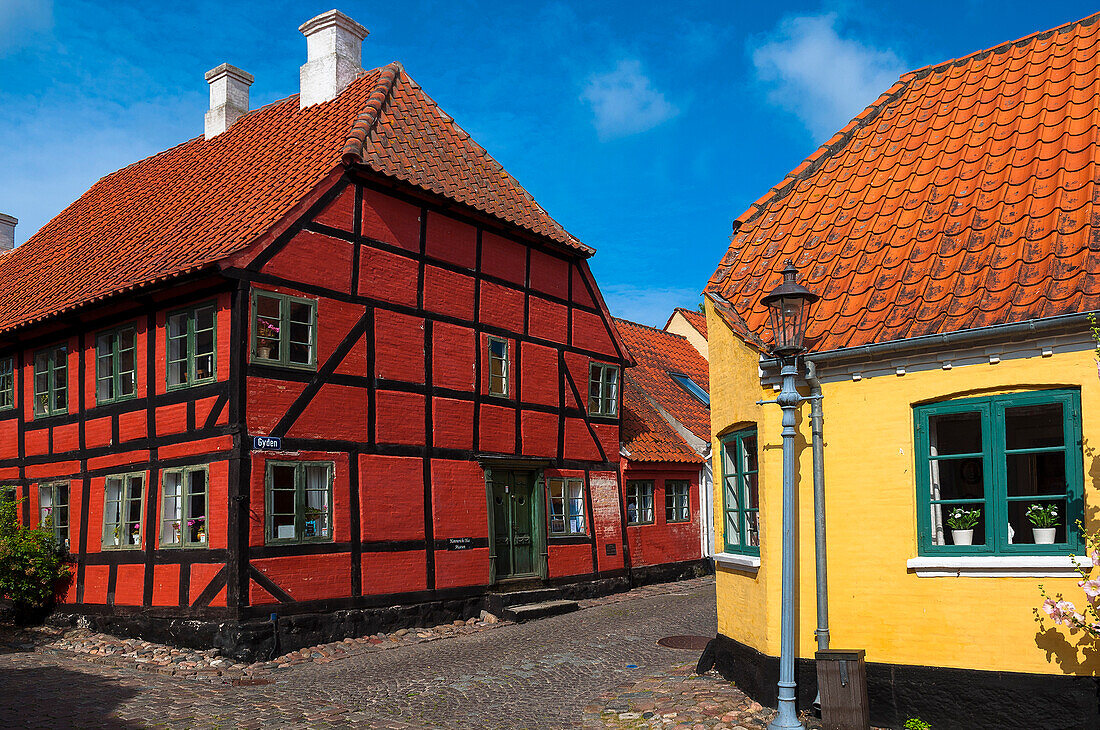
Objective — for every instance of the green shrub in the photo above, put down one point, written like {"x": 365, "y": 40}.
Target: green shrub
{"x": 33, "y": 570}
{"x": 915, "y": 723}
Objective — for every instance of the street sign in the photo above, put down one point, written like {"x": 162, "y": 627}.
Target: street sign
{"x": 267, "y": 443}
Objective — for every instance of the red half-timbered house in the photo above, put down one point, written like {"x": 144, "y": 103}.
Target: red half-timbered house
{"x": 667, "y": 481}
{"x": 329, "y": 356}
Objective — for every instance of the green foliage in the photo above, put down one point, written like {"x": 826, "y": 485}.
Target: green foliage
{"x": 964, "y": 519}
{"x": 32, "y": 567}
{"x": 915, "y": 723}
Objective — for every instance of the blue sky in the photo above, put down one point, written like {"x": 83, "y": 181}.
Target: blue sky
{"x": 644, "y": 128}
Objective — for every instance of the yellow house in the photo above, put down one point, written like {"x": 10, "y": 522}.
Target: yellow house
{"x": 952, "y": 231}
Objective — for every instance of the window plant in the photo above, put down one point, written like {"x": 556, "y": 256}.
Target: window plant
{"x": 1044, "y": 520}
{"x": 962, "y": 523}
{"x": 915, "y": 723}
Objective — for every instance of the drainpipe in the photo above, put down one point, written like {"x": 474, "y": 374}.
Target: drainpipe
{"x": 816, "y": 418}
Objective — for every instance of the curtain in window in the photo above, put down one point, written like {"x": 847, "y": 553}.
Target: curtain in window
{"x": 317, "y": 480}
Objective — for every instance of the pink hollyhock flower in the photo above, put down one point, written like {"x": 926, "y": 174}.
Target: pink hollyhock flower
{"x": 1095, "y": 555}
{"x": 1091, "y": 588}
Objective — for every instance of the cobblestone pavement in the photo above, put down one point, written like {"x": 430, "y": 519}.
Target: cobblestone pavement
{"x": 679, "y": 699}
{"x": 541, "y": 674}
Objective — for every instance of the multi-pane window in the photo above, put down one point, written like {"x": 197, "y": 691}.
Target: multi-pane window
{"x": 7, "y": 383}
{"x": 51, "y": 381}
{"x": 185, "y": 507}
{"x": 283, "y": 330}
{"x": 566, "y": 506}
{"x": 122, "y": 509}
{"x": 498, "y": 366}
{"x": 639, "y": 502}
{"x": 676, "y": 500}
{"x": 299, "y": 501}
{"x": 191, "y": 348}
{"x": 741, "y": 493}
{"x": 603, "y": 389}
{"x": 1001, "y": 474}
{"x": 53, "y": 511}
{"x": 116, "y": 365}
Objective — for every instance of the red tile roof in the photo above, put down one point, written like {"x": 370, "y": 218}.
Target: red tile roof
{"x": 698, "y": 320}
{"x": 195, "y": 204}
{"x": 645, "y": 433}
{"x": 967, "y": 195}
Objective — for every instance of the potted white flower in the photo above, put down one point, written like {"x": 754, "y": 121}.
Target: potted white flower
{"x": 962, "y": 523}
{"x": 1044, "y": 520}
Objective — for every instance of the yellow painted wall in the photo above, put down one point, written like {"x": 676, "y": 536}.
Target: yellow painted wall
{"x": 875, "y": 602}
{"x": 679, "y": 325}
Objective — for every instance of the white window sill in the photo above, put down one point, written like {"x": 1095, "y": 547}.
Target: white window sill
{"x": 738, "y": 562}
{"x": 997, "y": 566}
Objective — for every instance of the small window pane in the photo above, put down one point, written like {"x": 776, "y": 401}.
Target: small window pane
{"x": 943, "y": 515}
{"x": 1034, "y": 427}
{"x": 1021, "y": 531}
{"x": 955, "y": 433}
{"x": 171, "y": 532}
{"x": 1036, "y": 473}
{"x": 957, "y": 478}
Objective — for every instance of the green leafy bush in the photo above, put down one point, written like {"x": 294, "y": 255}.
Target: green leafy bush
{"x": 915, "y": 723}
{"x": 33, "y": 570}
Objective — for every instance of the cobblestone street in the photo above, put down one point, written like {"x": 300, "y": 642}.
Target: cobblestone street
{"x": 541, "y": 674}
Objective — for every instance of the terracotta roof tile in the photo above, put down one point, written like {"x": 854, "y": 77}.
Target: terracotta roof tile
{"x": 697, "y": 320}
{"x": 659, "y": 353}
{"x": 199, "y": 202}
{"x": 967, "y": 195}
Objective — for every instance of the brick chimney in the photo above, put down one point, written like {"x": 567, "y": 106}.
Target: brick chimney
{"x": 334, "y": 56}
{"x": 228, "y": 97}
{"x": 7, "y": 232}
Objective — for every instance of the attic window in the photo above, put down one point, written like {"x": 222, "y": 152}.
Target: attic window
{"x": 692, "y": 387}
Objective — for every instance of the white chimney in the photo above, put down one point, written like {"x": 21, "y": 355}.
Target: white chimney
{"x": 7, "y": 232}
{"x": 334, "y": 56}
{"x": 228, "y": 97}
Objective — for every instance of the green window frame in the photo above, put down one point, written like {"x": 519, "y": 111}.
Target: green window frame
{"x": 284, "y": 330}
{"x": 51, "y": 381}
{"x": 191, "y": 342}
{"x": 185, "y": 507}
{"x": 603, "y": 389}
{"x": 53, "y": 510}
{"x": 7, "y": 383}
{"x": 741, "y": 492}
{"x": 639, "y": 502}
{"x": 677, "y": 500}
{"x": 1000, "y": 454}
{"x": 298, "y": 501}
{"x": 498, "y": 366}
{"x": 566, "y": 511}
{"x": 123, "y": 511}
{"x": 116, "y": 365}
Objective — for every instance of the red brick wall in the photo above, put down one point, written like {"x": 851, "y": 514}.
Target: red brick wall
{"x": 664, "y": 542}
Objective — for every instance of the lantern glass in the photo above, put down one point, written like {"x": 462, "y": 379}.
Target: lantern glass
{"x": 788, "y": 305}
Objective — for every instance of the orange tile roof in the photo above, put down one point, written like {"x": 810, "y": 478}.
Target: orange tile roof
{"x": 195, "y": 204}
{"x": 964, "y": 197}
{"x": 698, "y": 320}
{"x": 645, "y": 433}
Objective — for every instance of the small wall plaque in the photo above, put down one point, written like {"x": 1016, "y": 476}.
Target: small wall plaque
{"x": 460, "y": 543}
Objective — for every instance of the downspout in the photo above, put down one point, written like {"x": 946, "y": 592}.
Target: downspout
{"x": 818, "y": 443}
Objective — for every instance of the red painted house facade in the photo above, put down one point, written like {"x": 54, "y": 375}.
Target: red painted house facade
{"x": 331, "y": 356}
{"x": 665, "y": 450}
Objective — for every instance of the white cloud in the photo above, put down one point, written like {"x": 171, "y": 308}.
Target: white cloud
{"x": 624, "y": 101}
{"x": 651, "y": 306}
{"x": 820, "y": 77}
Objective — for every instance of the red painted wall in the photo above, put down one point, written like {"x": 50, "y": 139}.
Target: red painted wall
{"x": 662, "y": 541}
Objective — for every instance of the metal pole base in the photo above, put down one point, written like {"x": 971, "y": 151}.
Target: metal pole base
{"x": 785, "y": 723}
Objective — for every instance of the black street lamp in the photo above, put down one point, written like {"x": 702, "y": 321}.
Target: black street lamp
{"x": 789, "y": 304}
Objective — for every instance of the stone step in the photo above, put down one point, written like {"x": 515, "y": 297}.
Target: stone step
{"x": 529, "y": 611}
{"x": 515, "y": 598}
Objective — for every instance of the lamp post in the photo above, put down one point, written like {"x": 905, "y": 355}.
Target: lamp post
{"x": 789, "y": 303}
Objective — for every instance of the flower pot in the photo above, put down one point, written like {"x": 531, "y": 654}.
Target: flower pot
{"x": 1044, "y": 535}
{"x": 962, "y": 537}
{"x": 264, "y": 352}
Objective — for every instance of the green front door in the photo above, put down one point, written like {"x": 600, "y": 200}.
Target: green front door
{"x": 513, "y": 523}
